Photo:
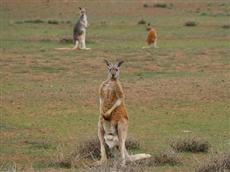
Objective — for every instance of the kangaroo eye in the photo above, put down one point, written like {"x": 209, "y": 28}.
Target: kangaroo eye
{"x": 116, "y": 69}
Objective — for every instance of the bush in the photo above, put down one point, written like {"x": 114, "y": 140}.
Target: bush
{"x": 192, "y": 144}
{"x": 142, "y": 21}
{"x": 53, "y": 22}
{"x": 220, "y": 162}
{"x": 158, "y": 5}
{"x": 227, "y": 26}
{"x": 145, "y": 5}
{"x": 163, "y": 5}
{"x": 113, "y": 165}
{"x": 190, "y": 23}
{"x": 34, "y": 21}
{"x": 66, "y": 40}
{"x": 164, "y": 158}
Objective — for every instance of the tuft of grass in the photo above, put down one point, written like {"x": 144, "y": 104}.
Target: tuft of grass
{"x": 145, "y": 5}
{"x": 114, "y": 165}
{"x": 47, "y": 69}
{"x": 38, "y": 144}
{"x": 88, "y": 149}
{"x": 189, "y": 144}
{"x": 166, "y": 158}
{"x": 132, "y": 144}
{"x": 158, "y": 5}
{"x": 223, "y": 14}
{"x": 163, "y": 5}
{"x": 163, "y": 158}
{"x": 219, "y": 162}
{"x": 53, "y": 22}
{"x": 8, "y": 166}
{"x": 190, "y": 23}
{"x": 226, "y": 26}
{"x": 36, "y": 21}
{"x": 66, "y": 40}
{"x": 142, "y": 21}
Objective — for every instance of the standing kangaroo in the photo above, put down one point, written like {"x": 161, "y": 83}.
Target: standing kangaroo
{"x": 151, "y": 37}
{"x": 113, "y": 118}
{"x": 79, "y": 30}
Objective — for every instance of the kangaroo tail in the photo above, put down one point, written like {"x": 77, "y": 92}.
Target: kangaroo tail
{"x": 139, "y": 156}
{"x": 63, "y": 49}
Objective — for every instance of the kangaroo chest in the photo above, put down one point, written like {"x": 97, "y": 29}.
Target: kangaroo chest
{"x": 108, "y": 92}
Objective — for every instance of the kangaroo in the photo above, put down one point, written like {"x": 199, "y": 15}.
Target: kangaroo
{"x": 79, "y": 30}
{"x": 113, "y": 118}
{"x": 151, "y": 37}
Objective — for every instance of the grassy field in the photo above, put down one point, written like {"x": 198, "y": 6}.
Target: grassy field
{"x": 49, "y": 98}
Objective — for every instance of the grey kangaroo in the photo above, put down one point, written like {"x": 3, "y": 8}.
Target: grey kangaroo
{"x": 79, "y": 31}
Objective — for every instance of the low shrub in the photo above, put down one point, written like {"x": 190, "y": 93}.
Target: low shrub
{"x": 145, "y": 5}
{"x": 189, "y": 144}
{"x": 161, "y": 159}
{"x": 219, "y": 162}
{"x": 66, "y": 40}
{"x": 158, "y": 5}
{"x": 227, "y": 26}
{"x": 36, "y": 21}
{"x": 142, "y": 21}
{"x": 190, "y": 23}
{"x": 163, "y": 5}
{"x": 53, "y": 22}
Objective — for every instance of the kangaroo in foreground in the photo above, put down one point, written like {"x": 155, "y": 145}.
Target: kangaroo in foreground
{"x": 113, "y": 118}
{"x": 151, "y": 37}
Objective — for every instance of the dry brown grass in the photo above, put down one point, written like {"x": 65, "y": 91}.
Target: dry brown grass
{"x": 219, "y": 162}
{"x": 164, "y": 158}
{"x": 114, "y": 165}
{"x": 89, "y": 151}
{"x": 189, "y": 144}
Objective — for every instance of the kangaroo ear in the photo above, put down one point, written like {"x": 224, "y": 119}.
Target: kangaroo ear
{"x": 107, "y": 63}
{"x": 120, "y": 63}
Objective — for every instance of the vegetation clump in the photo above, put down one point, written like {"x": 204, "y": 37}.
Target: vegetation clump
{"x": 164, "y": 158}
{"x": 142, "y": 21}
{"x": 192, "y": 144}
{"x": 53, "y": 22}
{"x": 190, "y": 23}
{"x": 158, "y": 5}
{"x": 226, "y": 26}
{"x": 219, "y": 162}
{"x": 163, "y": 5}
{"x": 36, "y": 21}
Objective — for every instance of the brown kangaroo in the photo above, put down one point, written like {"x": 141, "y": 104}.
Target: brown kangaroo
{"x": 151, "y": 37}
{"x": 113, "y": 118}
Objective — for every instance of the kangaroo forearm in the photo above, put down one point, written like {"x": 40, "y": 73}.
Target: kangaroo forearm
{"x": 84, "y": 24}
{"x": 116, "y": 104}
{"x": 101, "y": 105}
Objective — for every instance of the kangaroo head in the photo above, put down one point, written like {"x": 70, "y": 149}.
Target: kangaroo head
{"x": 148, "y": 26}
{"x": 113, "y": 70}
{"x": 82, "y": 11}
